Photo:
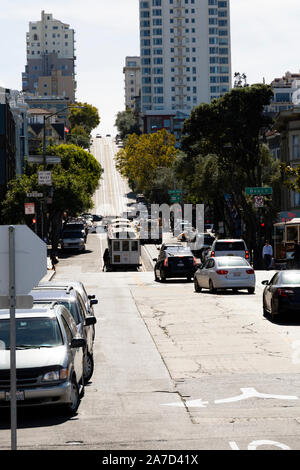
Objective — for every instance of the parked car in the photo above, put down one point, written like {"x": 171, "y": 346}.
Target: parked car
{"x": 98, "y": 136}
{"x": 72, "y": 240}
{"x": 49, "y": 358}
{"x": 225, "y": 272}
{"x": 227, "y": 247}
{"x": 77, "y": 226}
{"x": 72, "y": 300}
{"x": 174, "y": 261}
{"x": 89, "y": 300}
{"x": 282, "y": 294}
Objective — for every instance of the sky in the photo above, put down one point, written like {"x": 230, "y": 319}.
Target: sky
{"x": 265, "y": 35}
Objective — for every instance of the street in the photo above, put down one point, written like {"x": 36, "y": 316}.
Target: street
{"x": 174, "y": 369}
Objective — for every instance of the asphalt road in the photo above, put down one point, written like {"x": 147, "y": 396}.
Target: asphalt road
{"x": 174, "y": 369}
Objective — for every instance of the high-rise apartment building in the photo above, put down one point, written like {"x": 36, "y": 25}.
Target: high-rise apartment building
{"x": 132, "y": 75}
{"x": 50, "y": 69}
{"x": 185, "y": 57}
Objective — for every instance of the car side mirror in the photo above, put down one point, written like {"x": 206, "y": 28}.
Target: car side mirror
{"x": 93, "y": 302}
{"x": 89, "y": 321}
{"x": 90, "y": 297}
{"x": 265, "y": 283}
{"x": 158, "y": 249}
{"x": 78, "y": 343}
{"x": 154, "y": 259}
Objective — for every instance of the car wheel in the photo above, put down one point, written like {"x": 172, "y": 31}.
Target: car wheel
{"x": 196, "y": 285}
{"x": 88, "y": 368}
{"x": 72, "y": 407}
{"x": 212, "y": 290}
{"x": 251, "y": 290}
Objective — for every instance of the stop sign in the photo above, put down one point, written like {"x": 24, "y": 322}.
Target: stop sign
{"x": 30, "y": 260}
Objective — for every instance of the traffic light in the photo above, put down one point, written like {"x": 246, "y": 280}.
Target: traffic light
{"x": 34, "y": 221}
{"x": 262, "y": 224}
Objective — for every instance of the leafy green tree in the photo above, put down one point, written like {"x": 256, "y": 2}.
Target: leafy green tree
{"x": 143, "y": 156}
{"x": 87, "y": 116}
{"x": 127, "y": 123}
{"x": 222, "y": 142}
{"x": 74, "y": 183}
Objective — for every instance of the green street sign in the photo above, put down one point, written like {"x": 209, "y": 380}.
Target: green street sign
{"x": 175, "y": 192}
{"x": 175, "y": 198}
{"x": 258, "y": 191}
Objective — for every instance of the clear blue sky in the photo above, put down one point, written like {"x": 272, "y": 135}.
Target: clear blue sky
{"x": 265, "y": 35}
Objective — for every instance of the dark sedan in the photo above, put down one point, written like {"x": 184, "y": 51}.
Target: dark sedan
{"x": 174, "y": 262}
{"x": 282, "y": 293}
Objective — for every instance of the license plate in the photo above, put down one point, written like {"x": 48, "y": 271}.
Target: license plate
{"x": 19, "y": 396}
{"x": 236, "y": 274}
{"x": 180, "y": 264}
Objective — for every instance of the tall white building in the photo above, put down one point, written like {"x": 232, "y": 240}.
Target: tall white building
{"x": 185, "y": 57}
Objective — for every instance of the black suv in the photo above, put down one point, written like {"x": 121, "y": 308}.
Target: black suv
{"x": 174, "y": 261}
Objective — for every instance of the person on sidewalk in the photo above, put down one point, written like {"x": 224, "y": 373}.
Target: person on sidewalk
{"x": 267, "y": 254}
{"x": 54, "y": 260}
{"x": 106, "y": 259}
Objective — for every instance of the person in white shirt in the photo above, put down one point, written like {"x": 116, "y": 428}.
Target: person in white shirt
{"x": 267, "y": 254}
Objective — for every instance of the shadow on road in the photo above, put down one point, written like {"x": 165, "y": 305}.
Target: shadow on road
{"x": 34, "y": 417}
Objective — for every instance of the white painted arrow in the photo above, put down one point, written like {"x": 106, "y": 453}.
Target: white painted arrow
{"x": 253, "y": 393}
{"x": 190, "y": 404}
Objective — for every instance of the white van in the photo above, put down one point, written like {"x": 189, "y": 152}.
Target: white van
{"x": 229, "y": 247}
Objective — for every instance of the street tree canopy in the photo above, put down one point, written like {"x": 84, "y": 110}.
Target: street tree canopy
{"x": 127, "y": 123}
{"x": 87, "y": 116}
{"x": 143, "y": 156}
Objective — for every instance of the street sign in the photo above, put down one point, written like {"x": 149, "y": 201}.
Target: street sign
{"x": 29, "y": 208}
{"x": 34, "y": 194}
{"x": 50, "y": 159}
{"x": 258, "y": 191}
{"x": 258, "y": 201}
{"x": 44, "y": 177}
{"x": 31, "y": 259}
{"x": 175, "y": 192}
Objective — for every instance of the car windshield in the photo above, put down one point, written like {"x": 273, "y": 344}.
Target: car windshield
{"x": 32, "y": 333}
{"x": 290, "y": 278}
{"x": 229, "y": 246}
{"x": 72, "y": 235}
{"x": 232, "y": 262}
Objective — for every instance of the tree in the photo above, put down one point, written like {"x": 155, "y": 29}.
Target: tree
{"x": 127, "y": 123}
{"x": 222, "y": 142}
{"x": 87, "y": 116}
{"x": 79, "y": 136}
{"x": 143, "y": 156}
{"x": 74, "y": 182}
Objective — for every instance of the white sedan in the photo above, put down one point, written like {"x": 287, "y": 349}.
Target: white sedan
{"x": 225, "y": 272}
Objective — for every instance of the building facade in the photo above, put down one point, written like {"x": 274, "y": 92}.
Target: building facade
{"x": 185, "y": 56}
{"x": 7, "y": 143}
{"x": 132, "y": 79}
{"x": 50, "y": 68}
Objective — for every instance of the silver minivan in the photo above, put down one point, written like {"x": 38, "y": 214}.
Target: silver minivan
{"x": 228, "y": 247}
{"x": 49, "y": 358}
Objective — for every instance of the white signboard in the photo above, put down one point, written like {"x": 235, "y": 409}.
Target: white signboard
{"x": 258, "y": 201}
{"x": 30, "y": 260}
{"x": 44, "y": 177}
{"x": 29, "y": 208}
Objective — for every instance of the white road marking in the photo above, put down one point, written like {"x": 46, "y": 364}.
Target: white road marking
{"x": 252, "y": 393}
{"x": 190, "y": 404}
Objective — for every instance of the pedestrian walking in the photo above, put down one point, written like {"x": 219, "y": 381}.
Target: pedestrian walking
{"x": 296, "y": 255}
{"x": 106, "y": 259}
{"x": 267, "y": 254}
{"x": 54, "y": 260}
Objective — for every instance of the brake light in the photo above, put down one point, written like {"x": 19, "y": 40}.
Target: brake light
{"x": 250, "y": 271}
{"x": 222, "y": 272}
{"x": 284, "y": 292}
{"x": 213, "y": 254}
{"x": 166, "y": 262}
{"x": 247, "y": 254}
{"x": 195, "y": 261}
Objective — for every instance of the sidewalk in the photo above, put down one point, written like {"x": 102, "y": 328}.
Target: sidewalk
{"x": 50, "y": 272}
